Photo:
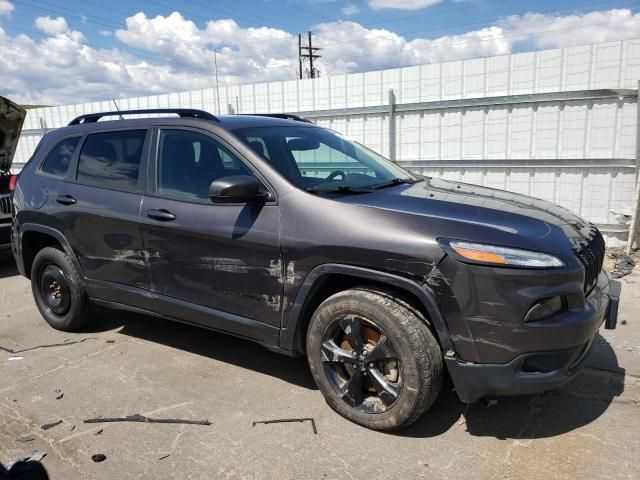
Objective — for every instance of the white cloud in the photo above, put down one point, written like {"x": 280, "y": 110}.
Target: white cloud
{"x": 549, "y": 31}
{"x": 105, "y": 33}
{"x": 357, "y": 48}
{"x": 52, "y": 26}
{"x": 251, "y": 53}
{"x": 6, "y": 7}
{"x": 402, "y": 4}
{"x": 171, "y": 53}
{"x": 350, "y": 9}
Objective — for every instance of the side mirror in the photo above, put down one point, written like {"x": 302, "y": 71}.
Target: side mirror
{"x": 237, "y": 189}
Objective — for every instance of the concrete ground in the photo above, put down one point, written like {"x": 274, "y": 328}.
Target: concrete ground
{"x": 127, "y": 364}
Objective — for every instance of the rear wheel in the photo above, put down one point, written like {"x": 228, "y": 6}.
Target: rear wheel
{"x": 58, "y": 291}
{"x": 374, "y": 358}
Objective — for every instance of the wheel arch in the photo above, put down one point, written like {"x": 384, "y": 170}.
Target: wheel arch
{"x": 34, "y": 237}
{"x": 327, "y": 279}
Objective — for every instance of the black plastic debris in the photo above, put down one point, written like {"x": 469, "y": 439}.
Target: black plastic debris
{"x": 623, "y": 322}
{"x": 48, "y": 426}
{"x": 36, "y": 456}
{"x": 623, "y": 266}
{"x": 59, "y": 394}
{"x": 142, "y": 419}
{"x": 99, "y": 432}
{"x": 98, "y": 457}
{"x": 162, "y": 458}
{"x": 290, "y": 420}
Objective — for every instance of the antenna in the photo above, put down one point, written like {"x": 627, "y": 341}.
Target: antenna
{"x": 117, "y": 108}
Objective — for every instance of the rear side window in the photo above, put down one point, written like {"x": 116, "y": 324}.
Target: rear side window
{"x": 58, "y": 161}
{"x": 112, "y": 159}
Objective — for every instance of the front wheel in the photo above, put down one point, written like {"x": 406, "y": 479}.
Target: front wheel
{"x": 374, "y": 358}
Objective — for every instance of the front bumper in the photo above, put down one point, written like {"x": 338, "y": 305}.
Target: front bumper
{"x": 538, "y": 371}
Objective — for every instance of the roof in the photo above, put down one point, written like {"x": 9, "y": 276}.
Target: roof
{"x": 244, "y": 121}
{"x": 228, "y": 122}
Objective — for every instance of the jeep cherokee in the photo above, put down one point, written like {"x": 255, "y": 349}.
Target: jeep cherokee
{"x": 271, "y": 228}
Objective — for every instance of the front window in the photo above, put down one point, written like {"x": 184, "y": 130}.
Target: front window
{"x": 319, "y": 160}
{"x": 189, "y": 161}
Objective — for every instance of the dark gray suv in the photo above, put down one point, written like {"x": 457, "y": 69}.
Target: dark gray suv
{"x": 274, "y": 229}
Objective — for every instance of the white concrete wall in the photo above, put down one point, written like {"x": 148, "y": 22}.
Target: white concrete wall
{"x": 601, "y": 129}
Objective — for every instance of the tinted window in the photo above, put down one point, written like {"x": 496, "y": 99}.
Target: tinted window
{"x": 319, "y": 159}
{"x": 189, "y": 161}
{"x": 57, "y": 163}
{"x": 112, "y": 159}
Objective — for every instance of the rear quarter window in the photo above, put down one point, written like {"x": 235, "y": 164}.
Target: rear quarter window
{"x": 58, "y": 161}
{"x": 112, "y": 159}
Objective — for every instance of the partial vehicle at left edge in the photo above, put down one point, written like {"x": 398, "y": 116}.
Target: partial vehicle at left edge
{"x": 11, "y": 120}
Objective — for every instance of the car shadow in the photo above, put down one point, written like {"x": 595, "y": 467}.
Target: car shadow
{"x": 8, "y": 266}
{"x": 206, "y": 343}
{"x": 543, "y": 415}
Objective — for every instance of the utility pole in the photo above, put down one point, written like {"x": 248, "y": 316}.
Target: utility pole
{"x": 307, "y": 53}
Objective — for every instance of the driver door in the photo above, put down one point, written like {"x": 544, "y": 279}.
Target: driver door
{"x": 221, "y": 256}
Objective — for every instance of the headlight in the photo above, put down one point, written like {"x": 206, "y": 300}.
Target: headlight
{"x": 483, "y": 254}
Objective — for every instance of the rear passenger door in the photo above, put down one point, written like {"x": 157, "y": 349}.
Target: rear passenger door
{"x": 222, "y": 256}
{"x": 99, "y": 206}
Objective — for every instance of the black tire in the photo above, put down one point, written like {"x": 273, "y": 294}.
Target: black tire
{"x": 393, "y": 398}
{"x": 58, "y": 291}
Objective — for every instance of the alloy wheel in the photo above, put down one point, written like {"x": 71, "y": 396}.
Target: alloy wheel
{"x": 362, "y": 364}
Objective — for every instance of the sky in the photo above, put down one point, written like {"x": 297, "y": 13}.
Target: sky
{"x": 71, "y": 51}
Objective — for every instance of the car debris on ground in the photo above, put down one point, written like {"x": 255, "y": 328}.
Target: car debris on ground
{"x": 289, "y": 420}
{"x": 624, "y": 264}
{"x": 142, "y": 419}
{"x": 48, "y": 426}
{"x": 25, "y": 438}
{"x": 36, "y": 456}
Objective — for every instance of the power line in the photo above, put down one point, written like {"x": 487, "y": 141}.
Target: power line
{"x": 108, "y": 56}
{"x": 325, "y": 46}
{"x": 99, "y": 51}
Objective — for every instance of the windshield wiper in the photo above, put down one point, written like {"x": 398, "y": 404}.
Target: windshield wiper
{"x": 341, "y": 189}
{"x": 393, "y": 182}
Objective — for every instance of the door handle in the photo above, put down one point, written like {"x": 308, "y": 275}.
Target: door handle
{"x": 162, "y": 215}
{"x": 66, "y": 200}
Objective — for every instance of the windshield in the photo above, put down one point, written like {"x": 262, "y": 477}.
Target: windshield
{"x": 317, "y": 159}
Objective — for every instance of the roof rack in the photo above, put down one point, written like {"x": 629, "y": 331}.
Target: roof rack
{"x": 285, "y": 116}
{"x": 182, "y": 112}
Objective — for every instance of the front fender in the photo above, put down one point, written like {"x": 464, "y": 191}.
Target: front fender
{"x": 291, "y": 335}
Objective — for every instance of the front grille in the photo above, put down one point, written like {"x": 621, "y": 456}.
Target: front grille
{"x": 5, "y": 204}
{"x": 591, "y": 254}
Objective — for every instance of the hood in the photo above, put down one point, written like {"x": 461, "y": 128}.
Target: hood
{"x": 474, "y": 205}
{"x": 11, "y": 120}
